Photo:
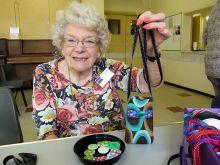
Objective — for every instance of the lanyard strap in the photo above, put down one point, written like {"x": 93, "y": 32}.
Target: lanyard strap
{"x": 142, "y": 34}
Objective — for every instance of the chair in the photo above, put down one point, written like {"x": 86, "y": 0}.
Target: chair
{"x": 10, "y": 130}
{"x": 10, "y": 78}
{"x": 13, "y": 85}
{"x": 3, "y": 49}
{"x": 10, "y": 74}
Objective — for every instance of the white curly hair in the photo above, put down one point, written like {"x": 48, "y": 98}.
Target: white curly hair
{"x": 85, "y": 15}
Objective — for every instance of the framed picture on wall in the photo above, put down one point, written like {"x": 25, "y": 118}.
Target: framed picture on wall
{"x": 173, "y": 23}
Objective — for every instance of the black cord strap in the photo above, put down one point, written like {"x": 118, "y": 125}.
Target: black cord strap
{"x": 142, "y": 34}
{"x": 13, "y": 158}
{"x": 136, "y": 34}
{"x": 152, "y": 59}
{"x": 28, "y": 159}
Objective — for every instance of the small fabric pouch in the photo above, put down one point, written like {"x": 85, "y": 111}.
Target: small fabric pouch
{"x": 139, "y": 114}
{"x": 139, "y": 120}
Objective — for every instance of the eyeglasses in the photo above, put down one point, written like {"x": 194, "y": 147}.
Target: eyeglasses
{"x": 74, "y": 42}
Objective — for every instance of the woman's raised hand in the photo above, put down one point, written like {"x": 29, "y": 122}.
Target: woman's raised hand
{"x": 156, "y": 23}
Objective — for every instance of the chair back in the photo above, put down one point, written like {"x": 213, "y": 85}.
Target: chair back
{"x": 9, "y": 72}
{"x": 2, "y": 74}
{"x": 10, "y": 130}
{"x": 3, "y": 49}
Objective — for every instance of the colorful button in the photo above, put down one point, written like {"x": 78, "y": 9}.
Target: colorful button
{"x": 93, "y": 146}
{"x": 103, "y": 143}
{"x": 103, "y": 150}
{"x": 101, "y": 158}
{"x": 114, "y": 145}
{"x": 89, "y": 157}
{"x": 113, "y": 153}
{"x": 89, "y": 152}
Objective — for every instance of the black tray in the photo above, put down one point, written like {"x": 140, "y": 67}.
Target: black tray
{"x": 82, "y": 144}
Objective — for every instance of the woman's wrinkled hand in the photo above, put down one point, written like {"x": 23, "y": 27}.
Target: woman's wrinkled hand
{"x": 156, "y": 23}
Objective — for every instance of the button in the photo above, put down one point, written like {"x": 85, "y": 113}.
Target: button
{"x": 89, "y": 152}
{"x": 103, "y": 150}
{"x": 114, "y": 145}
{"x": 93, "y": 146}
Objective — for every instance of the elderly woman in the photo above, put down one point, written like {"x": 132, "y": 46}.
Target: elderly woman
{"x": 76, "y": 93}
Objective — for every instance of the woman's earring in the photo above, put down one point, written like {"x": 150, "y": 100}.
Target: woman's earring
{"x": 61, "y": 53}
{"x": 57, "y": 53}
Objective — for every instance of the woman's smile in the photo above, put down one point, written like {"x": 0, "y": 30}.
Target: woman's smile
{"x": 79, "y": 59}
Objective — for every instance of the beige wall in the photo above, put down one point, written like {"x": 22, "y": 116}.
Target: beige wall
{"x": 184, "y": 67}
{"x": 176, "y": 6}
{"x": 99, "y": 4}
{"x": 135, "y": 6}
{"x": 34, "y": 18}
{"x": 32, "y": 23}
{"x": 7, "y": 17}
{"x": 186, "y": 7}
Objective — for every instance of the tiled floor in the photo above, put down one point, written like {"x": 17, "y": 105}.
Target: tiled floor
{"x": 169, "y": 104}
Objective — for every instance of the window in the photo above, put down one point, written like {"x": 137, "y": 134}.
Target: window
{"x": 114, "y": 26}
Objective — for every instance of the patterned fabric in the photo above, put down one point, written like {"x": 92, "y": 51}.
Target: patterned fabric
{"x": 211, "y": 39}
{"x": 139, "y": 120}
{"x": 66, "y": 109}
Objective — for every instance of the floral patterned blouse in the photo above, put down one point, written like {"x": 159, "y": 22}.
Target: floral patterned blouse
{"x": 66, "y": 109}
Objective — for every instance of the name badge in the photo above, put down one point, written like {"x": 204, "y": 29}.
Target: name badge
{"x": 105, "y": 76}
